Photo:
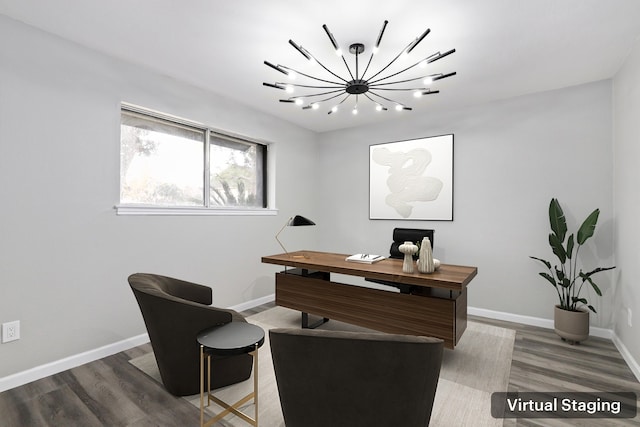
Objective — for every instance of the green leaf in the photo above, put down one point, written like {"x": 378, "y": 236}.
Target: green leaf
{"x": 545, "y": 262}
{"x": 557, "y": 219}
{"x": 585, "y": 276}
{"x": 592, "y": 309}
{"x": 565, "y": 283}
{"x": 570, "y": 246}
{"x": 594, "y": 286}
{"x": 549, "y": 278}
{"x": 558, "y": 249}
{"x": 588, "y": 227}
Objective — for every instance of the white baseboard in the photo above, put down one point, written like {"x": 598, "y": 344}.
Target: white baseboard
{"x": 548, "y": 324}
{"x": 633, "y": 364}
{"x": 61, "y": 365}
{"x": 532, "y": 321}
{"x": 253, "y": 303}
{"x": 39, "y": 372}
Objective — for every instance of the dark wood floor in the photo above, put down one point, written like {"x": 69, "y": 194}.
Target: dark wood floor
{"x": 112, "y": 392}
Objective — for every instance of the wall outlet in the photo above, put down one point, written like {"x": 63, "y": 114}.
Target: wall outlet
{"x": 10, "y": 331}
{"x": 629, "y": 317}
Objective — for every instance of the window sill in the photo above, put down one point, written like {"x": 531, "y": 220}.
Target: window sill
{"x": 191, "y": 211}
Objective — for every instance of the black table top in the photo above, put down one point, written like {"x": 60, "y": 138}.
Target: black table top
{"x": 231, "y": 338}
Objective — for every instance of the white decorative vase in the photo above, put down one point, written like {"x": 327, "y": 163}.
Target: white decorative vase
{"x": 425, "y": 262}
{"x": 408, "y": 249}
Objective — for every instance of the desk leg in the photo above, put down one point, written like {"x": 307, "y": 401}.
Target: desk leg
{"x": 305, "y": 321}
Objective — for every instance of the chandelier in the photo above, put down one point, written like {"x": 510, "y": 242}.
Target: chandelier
{"x": 378, "y": 88}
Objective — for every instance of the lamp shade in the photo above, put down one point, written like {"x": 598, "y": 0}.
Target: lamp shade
{"x": 294, "y": 221}
{"x": 300, "y": 220}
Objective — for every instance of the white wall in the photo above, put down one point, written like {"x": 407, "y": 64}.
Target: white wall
{"x": 510, "y": 158}
{"x": 626, "y": 107}
{"x": 64, "y": 254}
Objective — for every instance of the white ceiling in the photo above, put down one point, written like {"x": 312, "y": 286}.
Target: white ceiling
{"x": 504, "y": 48}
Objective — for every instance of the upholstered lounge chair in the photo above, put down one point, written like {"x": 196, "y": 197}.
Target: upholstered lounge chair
{"x": 332, "y": 378}
{"x": 174, "y": 311}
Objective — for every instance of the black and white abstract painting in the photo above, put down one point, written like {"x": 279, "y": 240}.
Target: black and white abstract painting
{"x": 412, "y": 179}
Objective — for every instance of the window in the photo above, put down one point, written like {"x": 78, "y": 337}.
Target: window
{"x": 171, "y": 163}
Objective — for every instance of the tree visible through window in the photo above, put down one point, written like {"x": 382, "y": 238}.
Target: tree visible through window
{"x": 164, "y": 163}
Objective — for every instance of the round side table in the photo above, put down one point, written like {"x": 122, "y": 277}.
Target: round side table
{"x": 227, "y": 340}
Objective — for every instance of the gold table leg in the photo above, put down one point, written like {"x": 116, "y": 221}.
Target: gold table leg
{"x": 234, "y": 408}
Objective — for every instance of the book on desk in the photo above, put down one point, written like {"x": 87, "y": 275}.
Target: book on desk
{"x": 365, "y": 258}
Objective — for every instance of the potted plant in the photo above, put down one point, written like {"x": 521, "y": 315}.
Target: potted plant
{"x": 571, "y": 320}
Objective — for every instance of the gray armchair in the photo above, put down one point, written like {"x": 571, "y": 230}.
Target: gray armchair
{"x": 174, "y": 311}
{"x": 332, "y": 378}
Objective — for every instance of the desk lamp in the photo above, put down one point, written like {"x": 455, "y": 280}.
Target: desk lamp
{"x": 294, "y": 221}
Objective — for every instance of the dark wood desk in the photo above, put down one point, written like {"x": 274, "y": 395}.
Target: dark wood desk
{"x": 436, "y": 306}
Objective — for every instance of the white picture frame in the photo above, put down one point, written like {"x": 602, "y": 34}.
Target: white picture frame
{"x": 412, "y": 179}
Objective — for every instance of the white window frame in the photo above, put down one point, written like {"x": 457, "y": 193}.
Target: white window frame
{"x": 268, "y": 187}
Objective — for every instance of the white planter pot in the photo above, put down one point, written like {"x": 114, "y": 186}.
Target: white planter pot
{"x": 572, "y": 326}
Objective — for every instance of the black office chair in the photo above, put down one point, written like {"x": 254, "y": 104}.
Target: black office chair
{"x": 401, "y": 235}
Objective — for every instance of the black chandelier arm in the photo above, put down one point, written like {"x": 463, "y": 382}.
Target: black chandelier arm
{"x": 395, "y": 74}
{"x": 418, "y": 40}
{"x": 430, "y": 59}
{"x": 338, "y": 50}
{"x": 383, "y": 97}
{"x": 337, "y": 87}
{"x": 427, "y": 60}
{"x": 310, "y": 76}
{"x": 376, "y": 102}
{"x": 410, "y": 67}
{"x": 328, "y": 70}
{"x": 310, "y": 56}
{"x": 347, "y": 96}
{"x": 377, "y": 85}
{"x": 392, "y": 61}
{"x": 310, "y": 105}
{"x": 339, "y": 92}
{"x": 399, "y": 89}
{"x": 434, "y": 77}
{"x": 325, "y": 99}
{"x": 376, "y": 46}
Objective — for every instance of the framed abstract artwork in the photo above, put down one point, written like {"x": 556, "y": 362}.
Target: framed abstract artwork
{"x": 412, "y": 179}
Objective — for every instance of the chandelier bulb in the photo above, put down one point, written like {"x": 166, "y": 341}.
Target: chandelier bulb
{"x": 292, "y": 75}
{"x": 289, "y": 89}
{"x": 417, "y": 94}
{"x": 315, "y": 106}
{"x": 354, "y": 111}
{"x": 378, "y": 107}
{"x": 375, "y": 50}
{"x": 339, "y": 52}
{"x": 299, "y": 101}
{"x": 399, "y": 107}
{"x": 427, "y": 81}
{"x": 334, "y": 109}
